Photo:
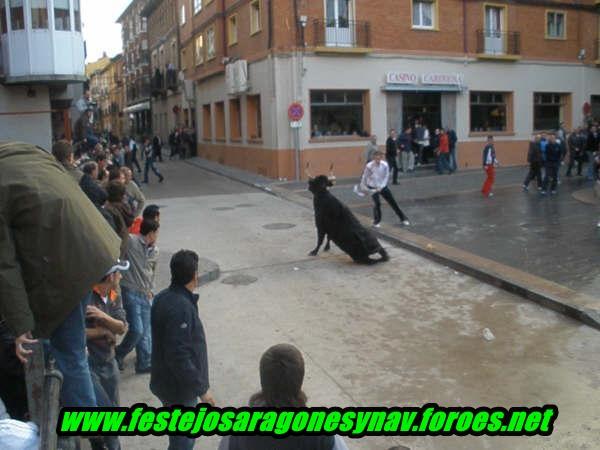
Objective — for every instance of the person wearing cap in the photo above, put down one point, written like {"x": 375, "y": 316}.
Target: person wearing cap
{"x": 105, "y": 320}
{"x": 54, "y": 246}
{"x": 137, "y": 289}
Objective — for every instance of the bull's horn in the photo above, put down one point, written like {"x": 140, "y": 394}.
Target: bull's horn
{"x": 331, "y": 176}
{"x": 307, "y": 172}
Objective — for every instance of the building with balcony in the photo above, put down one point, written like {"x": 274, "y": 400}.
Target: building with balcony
{"x": 358, "y": 67}
{"x": 136, "y": 69}
{"x": 107, "y": 90}
{"x": 163, "y": 41}
{"x": 41, "y": 69}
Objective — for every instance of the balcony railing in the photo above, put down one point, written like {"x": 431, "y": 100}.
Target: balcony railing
{"x": 498, "y": 43}
{"x": 340, "y": 33}
{"x": 163, "y": 80}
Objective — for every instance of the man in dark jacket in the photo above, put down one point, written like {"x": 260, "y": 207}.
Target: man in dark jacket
{"x": 534, "y": 158}
{"x": 592, "y": 147}
{"x": 179, "y": 358}
{"x": 552, "y": 164}
{"x": 54, "y": 246}
{"x": 576, "y": 146}
{"x": 391, "y": 154}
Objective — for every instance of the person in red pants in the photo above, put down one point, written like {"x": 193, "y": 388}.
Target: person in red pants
{"x": 489, "y": 165}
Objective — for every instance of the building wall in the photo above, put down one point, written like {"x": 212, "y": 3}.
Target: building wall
{"x": 25, "y": 118}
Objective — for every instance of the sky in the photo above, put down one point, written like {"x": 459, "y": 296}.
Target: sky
{"x": 100, "y": 31}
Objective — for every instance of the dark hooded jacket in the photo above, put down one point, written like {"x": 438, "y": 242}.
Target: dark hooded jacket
{"x": 54, "y": 244}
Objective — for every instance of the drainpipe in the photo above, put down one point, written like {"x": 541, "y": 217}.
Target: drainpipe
{"x": 224, "y": 29}
{"x": 270, "y": 24}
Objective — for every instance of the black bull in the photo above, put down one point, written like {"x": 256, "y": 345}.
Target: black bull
{"x": 334, "y": 220}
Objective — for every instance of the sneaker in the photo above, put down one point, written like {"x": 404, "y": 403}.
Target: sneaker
{"x": 161, "y": 179}
{"x": 553, "y": 193}
{"x": 376, "y": 225}
{"x": 490, "y": 195}
{"x": 543, "y": 192}
{"x": 120, "y": 363}
{"x": 406, "y": 223}
{"x": 525, "y": 188}
{"x": 143, "y": 371}
{"x": 598, "y": 225}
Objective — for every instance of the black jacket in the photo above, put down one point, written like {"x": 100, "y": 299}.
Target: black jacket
{"x": 593, "y": 142}
{"x": 534, "y": 156}
{"x": 553, "y": 153}
{"x": 92, "y": 189}
{"x": 179, "y": 357}
{"x": 405, "y": 142}
{"x": 391, "y": 148}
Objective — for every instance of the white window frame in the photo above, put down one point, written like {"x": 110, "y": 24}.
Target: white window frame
{"x": 255, "y": 27}
{"x": 199, "y": 50}
{"x": 418, "y": 4}
{"x": 197, "y": 6}
{"x": 211, "y": 51}
{"x": 556, "y": 13}
{"x": 182, "y": 15}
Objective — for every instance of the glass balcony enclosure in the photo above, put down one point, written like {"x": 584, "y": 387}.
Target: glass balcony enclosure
{"x": 41, "y": 41}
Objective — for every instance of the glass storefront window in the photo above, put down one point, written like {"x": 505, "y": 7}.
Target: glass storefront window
{"x": 337, "y": 113}
{"x": 547, "y": 111}
{"x": 488, "y": 111}
{"x": 77, "y": 14}
{"x": 62, "y": 15}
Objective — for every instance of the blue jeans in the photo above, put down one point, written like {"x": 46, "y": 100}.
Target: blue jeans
{"x": 149, "y": 164}
{"x": 137, "y": 307}
{"x": 67, "y": 345}
{"x": 442, "y": 163}
{"x": 180, "y": 442}
{"x": 453, "y": 162}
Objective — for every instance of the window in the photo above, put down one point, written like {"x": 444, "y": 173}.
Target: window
{"x": 39, "y": 14}
{"x": 210, "y": 43}
{"x": 197, "y": 6}
{"x": 337, "y": 113}
{"x": 235, "y": 119}
{"x": 423, "y": 13}
{"x": 206, "y": 126}
{"x": 254, "y": 117}
{"x": 555, "y": 25}
{"x": 548, "y": 110}
{"x": 232, "y": 31}
{"x": 182, "y": 15}
{"x": 489, "y": 111}
{"x": 77, "y": 15}
{"x": 17, "y": 15}
{"x": 199, "y": 50}
{"x": 220, "y": 121}
{"x": 255, "y": 17}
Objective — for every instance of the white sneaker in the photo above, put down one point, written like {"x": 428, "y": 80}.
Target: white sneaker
{"x": 357, "y": 192}
{"x": 491, "y": 194}
{"x": 406, "y": 223}
{"x": 377, "y": 225}
{"x": 598, "y": 224}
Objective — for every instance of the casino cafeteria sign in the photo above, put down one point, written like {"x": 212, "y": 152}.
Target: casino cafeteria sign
{"x": 437, "y": 79}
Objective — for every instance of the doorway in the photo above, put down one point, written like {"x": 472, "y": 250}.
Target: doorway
{"x": 493, "y": 33}
{"x": 339, "y": 30}
{"x": 424, "y": 108}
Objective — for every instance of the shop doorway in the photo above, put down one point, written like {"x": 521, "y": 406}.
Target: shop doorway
{"x": 423, "y": 108}
{"x": 595, "y": 106}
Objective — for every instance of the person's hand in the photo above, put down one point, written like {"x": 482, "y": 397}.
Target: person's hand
{"x": 208, "y": 398}
{"x": 110, "y": 337}
{"x": 91, "y": 312}
{"x": 21, "y": 351}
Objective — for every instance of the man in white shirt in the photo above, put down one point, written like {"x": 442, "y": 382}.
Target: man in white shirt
{"x": 375, "y": 180}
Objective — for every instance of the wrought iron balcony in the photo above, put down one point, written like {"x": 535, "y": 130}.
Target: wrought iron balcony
{"x": 339, "y": 33}
{"x": 498, "y": 43}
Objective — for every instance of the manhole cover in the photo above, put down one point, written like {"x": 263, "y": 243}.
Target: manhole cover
{"x": 240, "y": 280}
{"x": 244, "y": 205}
{"x": 224, "y": 208}
{"x": 279, "y": 226}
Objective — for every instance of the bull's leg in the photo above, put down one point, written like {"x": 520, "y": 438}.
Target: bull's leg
{"x": 321, "y": 237}
{"x": 327, "y": 245}
{"x": 384, "y": 257}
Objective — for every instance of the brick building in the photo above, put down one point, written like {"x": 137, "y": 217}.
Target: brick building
{"x": 361, "y": 67}
{"x": 108, "y": 91}
{"x": 137, "y": 74}
{"x": 163, "y": 41}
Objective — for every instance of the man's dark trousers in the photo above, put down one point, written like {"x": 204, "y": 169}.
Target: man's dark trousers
{"x": 387, "y": 195}
{"x": 535, "y": 172}
{"x": 551, "y": 173}
{"x": 180, "y": 442}
{"x": 393, "y": 168}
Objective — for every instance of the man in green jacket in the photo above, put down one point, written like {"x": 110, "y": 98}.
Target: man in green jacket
{"x": 54, "y": 246}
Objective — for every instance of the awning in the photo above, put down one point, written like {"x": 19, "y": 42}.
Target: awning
{"x": 421, "y": 88}
{"x": 137, "y": 107}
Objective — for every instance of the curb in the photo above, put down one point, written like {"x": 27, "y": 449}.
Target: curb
{"x": 539, "y": 290}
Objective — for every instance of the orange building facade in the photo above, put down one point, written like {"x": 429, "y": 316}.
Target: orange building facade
{"x": 361, "y": 67}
